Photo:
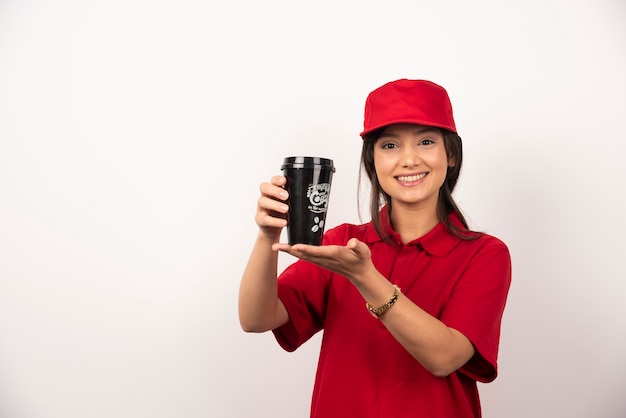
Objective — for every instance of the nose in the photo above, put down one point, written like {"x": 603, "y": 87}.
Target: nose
{"x": 410, "y": 157}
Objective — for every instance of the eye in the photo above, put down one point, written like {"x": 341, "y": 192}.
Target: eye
{"x": 388, "y": 145}
{"x": 426, "y": 141}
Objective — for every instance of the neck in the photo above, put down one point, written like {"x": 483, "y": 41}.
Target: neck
{"x": 413, "y": 222}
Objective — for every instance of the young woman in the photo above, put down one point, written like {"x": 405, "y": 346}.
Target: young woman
{"x": 410, "y": 303}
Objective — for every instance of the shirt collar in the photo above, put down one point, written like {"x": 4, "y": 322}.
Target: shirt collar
{"x": 437, "y": 242}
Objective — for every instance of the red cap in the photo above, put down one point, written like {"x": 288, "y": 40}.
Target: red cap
{"x": 408, "y": 101}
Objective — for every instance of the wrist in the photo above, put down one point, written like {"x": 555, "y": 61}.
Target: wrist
{"x": 267, "y": 239}
{"x": 378, "y": 311}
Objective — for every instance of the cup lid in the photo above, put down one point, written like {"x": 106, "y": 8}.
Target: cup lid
{"x": 308, "y": 162}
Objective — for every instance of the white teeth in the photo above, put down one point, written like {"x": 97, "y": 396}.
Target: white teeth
{"x": 409, "y": 179}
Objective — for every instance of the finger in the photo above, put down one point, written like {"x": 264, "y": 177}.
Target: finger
{"x": 281, "y": 247}
{"x": 304, "y": 248}
{"x": 264, "y": 220}
{"x": 301, "y": 251}
{"x": 273, "y": 191}
{"x": 272, "y": 205}
{"x": 325, "y": 251}
{"x": 279, "y": 180}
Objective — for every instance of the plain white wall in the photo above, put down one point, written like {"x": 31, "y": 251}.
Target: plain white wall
{"x": 133, "y": 137}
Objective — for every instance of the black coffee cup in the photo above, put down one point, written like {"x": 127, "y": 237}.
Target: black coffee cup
{"x": 308, "y": 184}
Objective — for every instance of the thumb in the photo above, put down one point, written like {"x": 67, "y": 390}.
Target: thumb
{"x": 357, "y": 247}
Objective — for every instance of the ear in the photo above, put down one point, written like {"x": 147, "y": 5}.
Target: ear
{"x": 451, "y": 162}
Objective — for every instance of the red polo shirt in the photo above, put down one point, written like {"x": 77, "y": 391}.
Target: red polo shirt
{"x": 363, "y": 371}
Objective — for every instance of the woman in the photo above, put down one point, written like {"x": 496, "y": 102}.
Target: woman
{"x": 410, "y": 303}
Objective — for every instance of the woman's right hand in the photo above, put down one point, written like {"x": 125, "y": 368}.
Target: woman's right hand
{"x": 271, "y": 214}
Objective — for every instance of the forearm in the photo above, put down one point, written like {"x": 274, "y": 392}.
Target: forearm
{"x": 440, "y": 349}
{"x": 259, "y": 307}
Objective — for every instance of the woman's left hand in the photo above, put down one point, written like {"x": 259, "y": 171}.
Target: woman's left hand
{"x": 351, "y": 261}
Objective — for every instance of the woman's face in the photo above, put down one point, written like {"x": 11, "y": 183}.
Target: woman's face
{"x": 411, "y": 164}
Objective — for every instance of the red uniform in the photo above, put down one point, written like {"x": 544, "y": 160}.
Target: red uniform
{"x": 363, "y": 371}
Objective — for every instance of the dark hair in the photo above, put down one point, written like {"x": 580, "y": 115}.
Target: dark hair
{"x": 445, "y": 205}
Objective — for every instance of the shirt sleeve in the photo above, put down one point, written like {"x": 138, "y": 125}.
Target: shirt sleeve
{"x": 476, "y": 306}
{"x": 303, "y": 288}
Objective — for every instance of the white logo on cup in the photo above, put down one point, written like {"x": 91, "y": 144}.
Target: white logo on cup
{"x": 319, "y": 224}
{"x": 318, "y": 197}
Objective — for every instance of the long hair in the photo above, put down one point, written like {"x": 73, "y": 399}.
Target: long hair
{"x": 445, "y": 204}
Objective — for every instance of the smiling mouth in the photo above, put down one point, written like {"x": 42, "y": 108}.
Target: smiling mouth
{"x": 411, "y": 179}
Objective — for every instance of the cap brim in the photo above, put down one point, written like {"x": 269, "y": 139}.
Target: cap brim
{"x": 412, "y": 121}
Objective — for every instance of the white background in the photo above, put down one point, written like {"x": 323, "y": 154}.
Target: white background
{"x": 133, "y": 137}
